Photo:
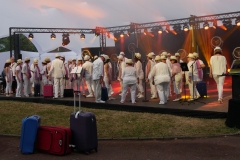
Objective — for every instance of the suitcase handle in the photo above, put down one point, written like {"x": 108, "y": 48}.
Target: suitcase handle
{"x": 79, "y": 102}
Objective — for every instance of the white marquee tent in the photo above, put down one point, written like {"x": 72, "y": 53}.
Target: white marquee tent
{"x": 92, "y": 13}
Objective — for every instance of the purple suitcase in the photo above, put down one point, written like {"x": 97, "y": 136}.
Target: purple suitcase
{"x": 84, "y": 129}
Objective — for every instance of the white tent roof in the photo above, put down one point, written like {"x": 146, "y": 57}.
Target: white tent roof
{"x": 92, "y": 13}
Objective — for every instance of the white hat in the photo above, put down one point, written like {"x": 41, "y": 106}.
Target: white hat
{"x": 195, "y": 54}
{"x": 47, "y": 59}
{"x": 35, "y": 61}
{"x": 177, "y": 55}
{"x": 217, "y": 50}
{"x": 86, "y": 57}
{"x": 79, "y": 59}
{"x": 150, "y": 55}
{"x": 74, "y": 59}
{"x": 163, "y": 57}
{"x": 63, "y": 56}
{"x": 157, "y": 58}
{"x": 95, "y": 57}
{"x": 129, "y": 61}
{"x": 173, "y": 57}
{"x": 120, "y": 57}
{"x": 44, "y": 62}
{"x": 169, "y": 54}
{"x": 122, "y": 53}
{"x": 19, "y": 61}
{"x": 190, "y": 55}
{"x": 8, "y": 61}
{"x": 138, "y": 55}
{"x": 57, "y": 55}
{"x": 70, "y": 60}
{"x": 26, "y": 59}
{"x": 104, "y": 56}
{"x": 164, "y": 54}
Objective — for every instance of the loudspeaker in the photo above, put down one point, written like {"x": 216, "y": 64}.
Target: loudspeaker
{"x": 233, "y": 116}
{"x": 68, "y": 93}
{"x": 235, "y": 87}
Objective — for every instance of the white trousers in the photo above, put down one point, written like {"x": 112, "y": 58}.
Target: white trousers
{"x": 193, "y": 89}
{"x": 89, "y": 83}
{"x": 133, "y": 88}
{"x": 162, "y": 91}
{"x": 140, "y": 86}
{"x": 80, "y": 84}
{"x": 19, "y": 87}
{"x": 177, "y": 87}
{"x": 58, "y": 83}
{"x": 8, "y": 87}
{"x": 108, "y": 86}
{"x": 219, "y": 81}
{"x": 153, "y": 88}
{"x": 97, "y": 90}
{"x": 27, "y": 86}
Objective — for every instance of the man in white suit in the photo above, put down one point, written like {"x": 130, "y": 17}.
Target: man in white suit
{"x": 58, "y": 70}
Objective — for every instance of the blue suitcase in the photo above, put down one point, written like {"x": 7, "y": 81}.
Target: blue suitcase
{"x": 202, "y": 88}
{"x": 29, "y": 133}
{"x": 104, "y": 95}
{"x": 84, "y": 129}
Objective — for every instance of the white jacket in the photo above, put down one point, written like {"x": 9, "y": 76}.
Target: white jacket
{"x": 57, "y": 69}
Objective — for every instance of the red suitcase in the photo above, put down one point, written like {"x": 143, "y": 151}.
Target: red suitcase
{"x": 54, "y": 140}
{"x": 48, "y": 90}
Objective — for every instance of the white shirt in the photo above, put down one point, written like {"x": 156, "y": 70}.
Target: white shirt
{"x": 218, "y": 64}
{"x": 44, "y": 72}
{"x": 88, "y": 67}
{"x": 97, "y": 71}
{"x": 192, "y": 67}
{"x": 13, "y": 67}
{"x": 139, "y": 69}
{"x": 168, "y": 62}
{"x": 19, "y": 75}
{"x": 160, "y": 72}
{"x": 32, "y": 72}
{"x": 130, "y": 75}
{"x": 57, "y": 69}
{"x": 25, "y": 70}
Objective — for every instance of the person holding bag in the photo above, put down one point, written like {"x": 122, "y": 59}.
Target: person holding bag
{"x": 161, "y": 75}
{"x": 19, "y": 78}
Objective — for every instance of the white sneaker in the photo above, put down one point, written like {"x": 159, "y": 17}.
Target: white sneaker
{"x": 18, "y": 96}
{"x": 100, "y": 101}
{"x": 140, "y": 96}
{"x": 120, "y": 94}
{"x": 112, "y": 92}
{"x": 89, "y": 96}
{"x": 177, "y": 99}
{"x": 153, "y": 97}
{"x": 26, "y": 95}
{"x": 161, "y": 102}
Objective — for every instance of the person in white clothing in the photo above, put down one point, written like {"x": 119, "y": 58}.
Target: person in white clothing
{"x": 8, "y": 77}
{"x": 73, "y": 76}
{"x": 200, "y": 66}
{"x": 32, "y": 79}
{"x": 58, "y": 71}
{"x": 66, "y": 76}
{"x": 168, "y": 62}
{"x": 36, "y": 72}
{"x": 80, "y": 78}
{"x": 107, "y": 76}
{"x": 13, "y": 67}
{"x": 120, "y": 67}
{"x": 149, "y": 67}
{"x": 19, "y": 78}
{"x": 69, "y": 65}
{"x": 44, "y": 74}
{"x": 138, "y": 66}
{"x": 176, "y": 77}
{"x": 192, "y": 77}
{"x": 161, "y": 75}
{"x": 97, "y": 76}
{"x": 130, "y": 79}
{"x": 26, "y": 77}
{"x": 87, "y": 71}
{"x": 48, "y": 61}
{"x": 177, "y": 55}
{"x": 218, "y": 66}
{"x": 95, "y": 58}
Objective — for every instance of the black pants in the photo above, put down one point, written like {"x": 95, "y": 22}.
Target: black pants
{"x": 14, "y": 84}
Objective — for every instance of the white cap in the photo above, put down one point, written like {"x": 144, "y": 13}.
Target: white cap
{"x": 120, "y": 57}
{"x": 195, "y": 54}
{"x": 122, "y": 53}
{"x": 190, "y": 55}
{"x": 57, "y": 55}
{"x": 79, "y": 59}
{"x": 138, "y": 55}
{"x": 86, "y": 57}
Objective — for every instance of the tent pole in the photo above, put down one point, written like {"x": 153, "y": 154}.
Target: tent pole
{"x": 10, "y": 47}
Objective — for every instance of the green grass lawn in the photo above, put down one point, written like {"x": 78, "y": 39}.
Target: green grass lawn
{"x": 112, "y": 124}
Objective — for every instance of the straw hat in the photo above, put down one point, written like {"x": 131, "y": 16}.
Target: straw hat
{"x": 63, "y": 57}
{"x": 8, "y": 61}
{"x": 104, "y": 56}
{"x": 164, "y": 54}
{"x": 79, "y": 59}
{"x": 122, "y": 53}
{"x": 70, "y": 60}
{"x": 163, "y": 57}
{"x": 47, "y": 59}
{"x": 26, "y": 59}
{"x": 217, "y": 50}
{"x": 138, "y": 55}
{"x": 169, "y": 54}
{"x": 173, "y": 58}
{"x": 86, "y": 57}
{"x": 120, "y": 57}
{"x": 177, "y": 55}
{"x": 35, "y": 61}
{"x": 19, "y": 61}
{"x": 74, "y": 59}
{"x": 57, "y": 55}
{"x": 129, "y": 61}
{"x": 195, "y": 55}
{"x": 44, "y": 62}
{"x": 157, "y": 58}
{"x": 95, "y": 57}
{"x": 190, "y": 55}
{"x": 150, "y": 55}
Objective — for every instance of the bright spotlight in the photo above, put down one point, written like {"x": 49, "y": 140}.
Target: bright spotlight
{"x": 122, "y": 35}
{"x": 237, "y": 21}
{"x": 185, "y": 27}
{"x": 30, "y": 36}
{"x": 82, "y": 36}
{"x": 53, "y": 36}
{"x": 206, "y": 25}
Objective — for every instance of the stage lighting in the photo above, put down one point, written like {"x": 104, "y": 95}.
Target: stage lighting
{"x": 53, "y": 36}
{"x": 97, "y": 32}
{"x": 82, "y": 36}
{"x": 122, "y": 35}
{"x": 30, "y": 36}
{"x": 227, "y": 23}
{"x": 206, "y": 25}
{"x": 65, "y": 39}
{"x": 108, "y": 34}
{"x": 145, "y": 31}
{"x": 177, "y": 28}
{"x": 185, "y": 27}
{"x": 214, "y": 24}
{"x": 237, "y": 21}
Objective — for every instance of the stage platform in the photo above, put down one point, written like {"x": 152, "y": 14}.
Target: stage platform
{"x": 204, "y": 107}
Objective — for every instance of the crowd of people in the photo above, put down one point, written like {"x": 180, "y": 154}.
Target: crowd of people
{"x": 162, "y": 72}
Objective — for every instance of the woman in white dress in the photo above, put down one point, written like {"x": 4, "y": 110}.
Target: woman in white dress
{"x": 26, "y": 77}
{"x": 176, "y": 77}
{"x": 138, "y": 66}
{"x": 19, "y": 78}
{"x": 130, "y": 79}
{"x": 8, "y": 77}
{"x": 80, "y": 78}
{"x": 44, "y": 73}
{"x": 149, "y": 68}
{"x": 218, "y": 66}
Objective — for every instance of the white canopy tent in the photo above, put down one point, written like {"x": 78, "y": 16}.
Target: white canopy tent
{"x": 92, "y": 13}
